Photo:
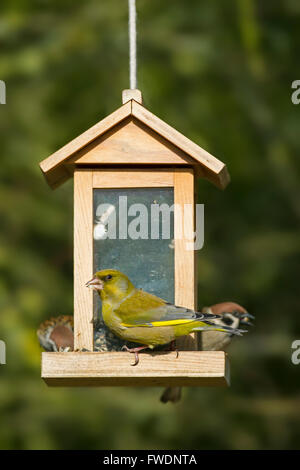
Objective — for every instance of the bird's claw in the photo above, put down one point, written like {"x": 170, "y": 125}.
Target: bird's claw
{"x": 173, "y": 348}
{"x": 135, "y": 351}
{"x": 67, "y": 349}
{"x": 136, "y": 359}
{"x": 136, "y": 356}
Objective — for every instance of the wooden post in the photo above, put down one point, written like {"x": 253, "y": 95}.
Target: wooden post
{"x": 83, "y": 260}
{"x": 185, "y": 260}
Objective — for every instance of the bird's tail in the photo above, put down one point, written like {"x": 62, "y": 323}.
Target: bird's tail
{"x": 224, "y": 329}
{"x": 172, "y": 394}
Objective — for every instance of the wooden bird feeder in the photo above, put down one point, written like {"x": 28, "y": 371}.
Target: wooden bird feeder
{"x": 135, "y": 154}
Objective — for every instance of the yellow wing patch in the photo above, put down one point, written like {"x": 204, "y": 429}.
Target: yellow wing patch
{"x": 159, "y": 323}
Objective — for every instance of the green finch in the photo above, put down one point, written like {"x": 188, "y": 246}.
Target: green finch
{"x": 231, "y": 314}
{"x": 137, "y": 316}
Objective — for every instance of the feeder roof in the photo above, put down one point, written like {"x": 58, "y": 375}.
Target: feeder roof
{"x": 132, "y": 135}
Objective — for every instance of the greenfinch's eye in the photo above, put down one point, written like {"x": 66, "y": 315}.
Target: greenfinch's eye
{"x": 108, "y": 277}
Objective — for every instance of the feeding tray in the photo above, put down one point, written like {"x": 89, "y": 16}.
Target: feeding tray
{"x": 190, "y": 368}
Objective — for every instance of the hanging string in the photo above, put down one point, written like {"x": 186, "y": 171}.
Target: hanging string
{"x": 132, "y": 44}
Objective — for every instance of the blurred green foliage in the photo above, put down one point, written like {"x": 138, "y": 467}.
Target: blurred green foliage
{"x": 221, "y": 73}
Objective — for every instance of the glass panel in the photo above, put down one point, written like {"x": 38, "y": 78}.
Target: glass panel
{"x": 148, "y": 262}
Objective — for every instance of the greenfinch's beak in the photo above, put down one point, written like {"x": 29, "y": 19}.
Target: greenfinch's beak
{"x": 95, "y": 284}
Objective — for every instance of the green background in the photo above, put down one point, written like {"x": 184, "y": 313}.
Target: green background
{"x": 221, "y": 73}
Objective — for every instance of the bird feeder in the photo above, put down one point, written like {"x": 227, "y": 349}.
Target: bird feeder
{"x": 133, "y": 156}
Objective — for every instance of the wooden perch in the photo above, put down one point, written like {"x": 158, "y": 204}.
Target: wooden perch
{"x": 191, "y": 368}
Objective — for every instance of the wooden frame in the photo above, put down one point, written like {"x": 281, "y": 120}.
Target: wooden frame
{"x": 83, "y": 368}
{"x": 85, "y": 181}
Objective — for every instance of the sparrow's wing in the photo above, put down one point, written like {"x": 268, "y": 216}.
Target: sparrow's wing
{"x": 56, "y": 333}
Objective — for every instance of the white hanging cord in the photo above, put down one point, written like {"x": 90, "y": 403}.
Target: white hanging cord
{"x": 132, "y": 44}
